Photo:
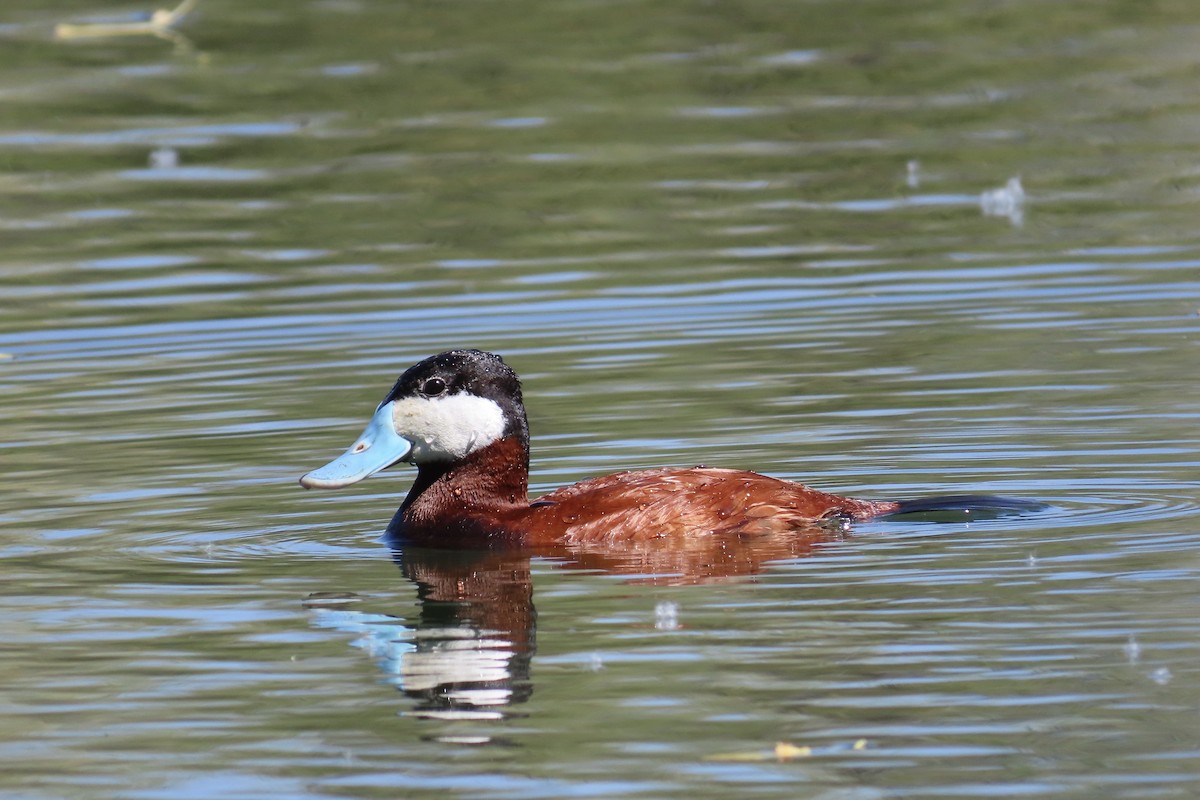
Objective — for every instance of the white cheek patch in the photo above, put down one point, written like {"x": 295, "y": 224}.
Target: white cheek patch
{"x": 447, "y": 428}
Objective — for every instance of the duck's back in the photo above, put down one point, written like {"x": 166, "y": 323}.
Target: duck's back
{"x": 655, "y": 503}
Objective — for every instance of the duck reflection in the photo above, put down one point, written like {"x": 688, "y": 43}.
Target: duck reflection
{"x": 476, "y": 633}
{"x": 467, "y": 653}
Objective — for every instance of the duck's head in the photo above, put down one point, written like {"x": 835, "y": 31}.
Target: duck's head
{"x": 440, "y": 411}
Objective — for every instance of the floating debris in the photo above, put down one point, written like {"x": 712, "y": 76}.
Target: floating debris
{"x": 160, "y": 23}
{"x": 785, "y": 751}
{"x": 1008, "y": 201}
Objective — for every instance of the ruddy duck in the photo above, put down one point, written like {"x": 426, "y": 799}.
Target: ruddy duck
{"x": 458, "y": 416}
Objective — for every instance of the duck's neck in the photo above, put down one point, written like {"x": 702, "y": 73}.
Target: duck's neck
{"x": 492, "y": 478}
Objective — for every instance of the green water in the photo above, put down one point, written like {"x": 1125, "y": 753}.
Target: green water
{"x": 744, "y": 234}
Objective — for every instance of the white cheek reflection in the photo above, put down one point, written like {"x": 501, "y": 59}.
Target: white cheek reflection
{"x": 469, "y": 674}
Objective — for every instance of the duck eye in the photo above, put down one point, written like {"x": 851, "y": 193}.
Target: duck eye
{"x": 433, "y": 387}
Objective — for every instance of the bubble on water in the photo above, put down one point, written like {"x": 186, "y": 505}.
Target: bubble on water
{"x": 666, "y": 616}
{"x": 913, "y": 174}
{"x": 1008, "y": 201}
{"x": 164, "y": 158}
{"x": 1133, "y": 650}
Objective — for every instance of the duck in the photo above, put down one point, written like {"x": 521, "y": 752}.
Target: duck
{"x": 459, "y": 418}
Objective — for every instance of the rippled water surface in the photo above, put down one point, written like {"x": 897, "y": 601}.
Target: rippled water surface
{"x": 778, "y": 236}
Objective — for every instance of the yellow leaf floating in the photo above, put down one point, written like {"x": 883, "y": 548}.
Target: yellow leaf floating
{"x": 783, "y": 751}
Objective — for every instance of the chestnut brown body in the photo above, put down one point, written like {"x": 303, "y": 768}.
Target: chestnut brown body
{"x": 482, "y": 500}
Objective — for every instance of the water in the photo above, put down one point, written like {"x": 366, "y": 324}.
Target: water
{"x": 772, "y": 236}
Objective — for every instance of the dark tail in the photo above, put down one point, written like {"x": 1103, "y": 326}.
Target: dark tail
{"x": 964, "y": 508}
